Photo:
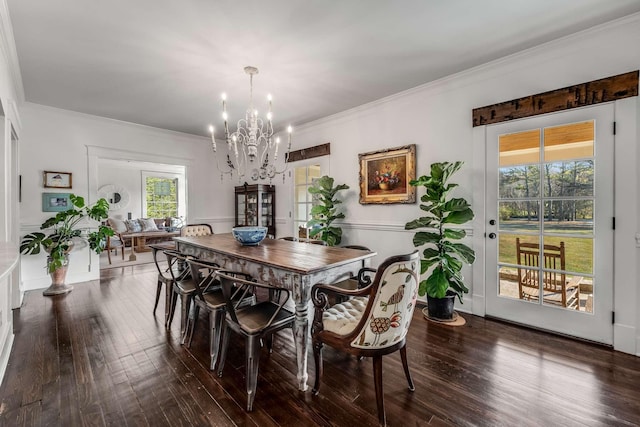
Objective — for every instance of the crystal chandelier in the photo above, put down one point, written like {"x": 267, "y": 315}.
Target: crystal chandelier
{"x": 251, "y": 149}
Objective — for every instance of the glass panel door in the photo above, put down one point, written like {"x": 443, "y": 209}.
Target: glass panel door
{"x": 550, "y": 196}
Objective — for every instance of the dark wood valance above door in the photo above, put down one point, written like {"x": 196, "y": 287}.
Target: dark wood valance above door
{"x": 581, "y": 95}
{"x": 309, "y": 153}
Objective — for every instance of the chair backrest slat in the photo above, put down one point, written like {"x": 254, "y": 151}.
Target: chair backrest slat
{"x": 173, "y": 259}
{"x": 204, "y": 274}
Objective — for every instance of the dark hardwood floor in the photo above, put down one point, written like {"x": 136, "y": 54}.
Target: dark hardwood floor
{"x": 98, "y": 357}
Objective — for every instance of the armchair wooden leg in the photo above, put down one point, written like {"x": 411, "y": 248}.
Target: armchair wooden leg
{"x": 223, "y": 350}
{"x": 158, "y": 292}
{"x": 377, "y": 380}
{"x": 216, "y": 319}
{"x": 405, "y": 365}
{"x": 253, "y": 360}
{"x": 317, "y": 356}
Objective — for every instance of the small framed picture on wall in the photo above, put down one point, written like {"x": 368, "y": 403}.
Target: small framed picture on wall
{"x": 56, "y": 202}
{"x": 57, "y": 179}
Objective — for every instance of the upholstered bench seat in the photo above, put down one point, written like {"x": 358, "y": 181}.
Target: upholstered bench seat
{"x": 342, "y": 318}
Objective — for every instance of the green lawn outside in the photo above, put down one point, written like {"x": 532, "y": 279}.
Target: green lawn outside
{"x": 578, "y": 251}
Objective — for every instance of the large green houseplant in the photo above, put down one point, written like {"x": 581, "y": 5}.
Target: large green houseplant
{"x": 58, "y": 242}
{"x": 325, "y": 211}
{"x": 443, "y": 255}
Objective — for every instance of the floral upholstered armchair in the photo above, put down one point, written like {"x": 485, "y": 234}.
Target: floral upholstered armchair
{"x": 373, "y": 323}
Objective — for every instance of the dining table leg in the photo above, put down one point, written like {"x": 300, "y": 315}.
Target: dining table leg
{"x": 301, "y": 329}
{"x": 132, "y": 255}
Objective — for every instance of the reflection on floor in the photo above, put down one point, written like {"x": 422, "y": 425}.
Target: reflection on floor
{"x": 117, "y": 262}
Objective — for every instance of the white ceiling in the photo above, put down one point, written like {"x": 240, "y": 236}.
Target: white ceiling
{"x": 165, "y": 63}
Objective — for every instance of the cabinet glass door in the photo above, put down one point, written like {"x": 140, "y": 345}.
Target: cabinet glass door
{"x": 252, "y": 209}
{"x": 242, "y": 208}
{"x": 267, "y": 209}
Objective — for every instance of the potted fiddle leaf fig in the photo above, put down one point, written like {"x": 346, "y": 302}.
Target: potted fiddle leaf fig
{"x": 325, "y": 211}
{"x": 62, "y": 229}
{"x": 443, "y": 255}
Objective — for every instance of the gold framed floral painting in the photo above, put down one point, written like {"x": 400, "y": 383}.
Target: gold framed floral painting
{"x": 385, "y": 175}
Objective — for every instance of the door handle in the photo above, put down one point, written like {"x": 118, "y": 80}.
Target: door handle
{"x": 492, "y": 235}
{"x": 492, "y": 222}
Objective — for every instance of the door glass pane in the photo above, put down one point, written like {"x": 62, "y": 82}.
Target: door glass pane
{"x": 300, "y": 176}
{"x": 301, "y": 210}
{"x": 560, "y": 289}
{"x": 508, "y": 282}
{"x": 519, "y": 181}
{"x": 314, "y": 172}
{"x": 301, "y": 194}
{"x": 507, "y": 252}
{"x": 571, "y": 141}
{"x": 517, "y": 217}
{"x": 568, "y": 179}
{"x": 578, "y": 252}
{"x": 520, "y": 148}
{"x": 569, "y": 217}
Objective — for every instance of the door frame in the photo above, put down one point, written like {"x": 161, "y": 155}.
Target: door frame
{"x": 626, "y": 268}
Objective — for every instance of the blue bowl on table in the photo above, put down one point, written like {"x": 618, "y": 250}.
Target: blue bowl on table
{"x": 249, "y": 236}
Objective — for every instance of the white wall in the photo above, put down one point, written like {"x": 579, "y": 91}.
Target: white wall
{"x": 110, "y": 173}
{"x": 437, "y": 117}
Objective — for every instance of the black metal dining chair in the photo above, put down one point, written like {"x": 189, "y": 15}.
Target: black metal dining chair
{"x": 183, "y": 286}
{"x": 255, "y": 322}
{"x": 209, "y": 297}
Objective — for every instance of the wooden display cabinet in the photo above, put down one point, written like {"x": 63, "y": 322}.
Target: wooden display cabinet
{"x": 256, "y": 206}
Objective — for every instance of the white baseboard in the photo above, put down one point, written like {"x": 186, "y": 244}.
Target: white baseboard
{"x": 6, "y": 352}
{"x": 624, "y": 339}
{"x": 38, "y": 283}
{"x": 478, "y": 305}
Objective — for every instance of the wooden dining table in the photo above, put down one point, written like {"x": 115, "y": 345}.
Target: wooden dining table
{"x": 294, "y": 266}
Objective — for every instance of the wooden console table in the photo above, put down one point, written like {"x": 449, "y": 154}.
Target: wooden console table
{"x": 291, "y": 265}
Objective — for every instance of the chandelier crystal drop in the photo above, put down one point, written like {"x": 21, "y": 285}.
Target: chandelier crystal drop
{"x": 251, "y": 149}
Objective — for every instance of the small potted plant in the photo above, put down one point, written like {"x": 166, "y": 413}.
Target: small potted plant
{"x": 63, "y": 228}
{"x": 325, "y": 212}
{"x": 443, "y": 255}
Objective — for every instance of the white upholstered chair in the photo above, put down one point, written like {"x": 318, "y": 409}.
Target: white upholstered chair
{"x": 196, "y": 230}
{"x": 373, "y": 323}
